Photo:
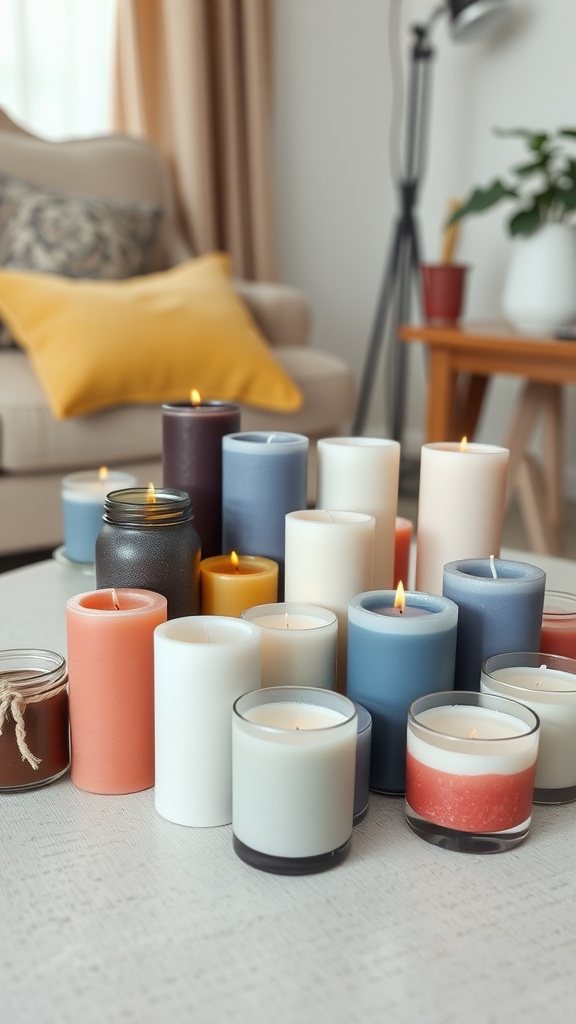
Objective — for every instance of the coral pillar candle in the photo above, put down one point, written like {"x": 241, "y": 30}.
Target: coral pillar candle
{"x": 394, "y": 656}
{"x": 547, "y": 684}
{"x": 299, "y": 644}
{"x": 192, "y": 435}
{"x": 360, "y": 474}
{"x": 329, "y": 558}
{"x": 559, "y": 624}
{"x": 499, "y": 610}
{"x": 202, "y": 665}
{"x": 111, "y": 681}
{"x": 294, "y": 752}
{"x": 264, "y": 476}
{"x": 83, "y": 497}
{"x": 402, "y": 541}
{"x": 460, "y": 507}
{"x": 470, "y": 766}
{"x": 231, "y": 583}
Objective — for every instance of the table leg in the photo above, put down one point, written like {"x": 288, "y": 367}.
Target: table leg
{"x": 442, "y": 402}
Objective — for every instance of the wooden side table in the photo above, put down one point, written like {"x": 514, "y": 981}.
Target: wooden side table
{"x": 462, "y": 361}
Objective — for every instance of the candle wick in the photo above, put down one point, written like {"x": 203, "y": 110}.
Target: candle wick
{"x": 493, "y": 567}
{"x": 286, "y": 619}
{"x": 115, "y": 601}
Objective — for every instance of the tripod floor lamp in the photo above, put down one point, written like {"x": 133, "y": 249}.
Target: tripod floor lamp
{"x": 468, "y": 19}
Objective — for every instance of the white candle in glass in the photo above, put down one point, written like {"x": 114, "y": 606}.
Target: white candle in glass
{"x": 299, "y": 644}
{"x": 202, "y": 664}
{"x": 329, "y": 559}
{"x": 461, "y": 506}
{"x": 361, "y": 474}
{"x": 547, "y": 684}
{"x": 294, "y": 754}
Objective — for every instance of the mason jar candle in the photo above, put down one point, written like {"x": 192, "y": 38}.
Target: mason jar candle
{"x": 547, "y": 684}
{"x": 293, "y": 765}
{"x": 83, "y": 497}
{"x": 34, "y": 724}
{"x": 470, "y": 768}
{"x": 148, "y": 541}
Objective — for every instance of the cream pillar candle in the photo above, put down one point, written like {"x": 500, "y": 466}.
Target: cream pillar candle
{"x": 202, "y": 664}
{"x": 329, "y": 559}
{"x": 299, "y": 644}
{"x": 361, "y": 474}
{"x": 460, "y": 507}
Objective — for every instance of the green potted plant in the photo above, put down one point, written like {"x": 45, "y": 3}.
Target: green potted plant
{"x": 540, "y": 287}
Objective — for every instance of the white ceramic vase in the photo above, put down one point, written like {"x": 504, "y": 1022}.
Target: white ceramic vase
{"x": 540, "y": 287}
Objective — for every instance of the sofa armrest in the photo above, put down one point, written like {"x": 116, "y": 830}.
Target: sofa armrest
{"x": 281, "y": 312}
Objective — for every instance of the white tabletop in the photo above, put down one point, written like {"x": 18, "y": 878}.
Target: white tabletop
{"x": 111, "y": 914}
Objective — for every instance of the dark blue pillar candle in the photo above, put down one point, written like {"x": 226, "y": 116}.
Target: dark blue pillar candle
{"x": 263, "y": 478}
{"x": 500, "y": 605}
{"x": 393, "y": 658}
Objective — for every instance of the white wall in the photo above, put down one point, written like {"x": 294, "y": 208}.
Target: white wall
{"x": 335, "y": 184}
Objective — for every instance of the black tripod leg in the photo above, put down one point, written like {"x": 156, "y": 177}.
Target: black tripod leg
{"x": 376, "y": 337}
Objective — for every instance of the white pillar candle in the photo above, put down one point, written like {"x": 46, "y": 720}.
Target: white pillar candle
{"x": 361, "y": 474}
{"x": 547, "y": 684}
{"x": 470, "y": 766}
{"x": 329, "y": 559}
{"x": 294, "y": 755}
{"x": 460, "y": 507}
{"x": 299, "y": 644}
{"x": 202, "y": 664}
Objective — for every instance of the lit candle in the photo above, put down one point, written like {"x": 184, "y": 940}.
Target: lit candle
{"x": 360, "y": 474}
{"x": 499, "y": 610}
{"x": 402, "y": 541}
{"x": 264, "y": 476}
{"x": 460, "y": 507}
{"x": 559, "y": 624}
{"x": 192, "y": 435}
{"x": 394, "y": 657}
{"x": 111, "y": 683}
{"x": 547, "y": 684}
{"x": 329, "y": 558}
{"x": 202, "y": 665}
{"x": 231, "y": 583}
{"x": 83, "y": 497}
{"x": 299, "y": 644}
{"x": 294, "y": 755}
{"x": 470, "y": 766}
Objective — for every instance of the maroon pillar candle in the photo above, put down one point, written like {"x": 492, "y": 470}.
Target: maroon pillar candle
{"x": 192, "y": 461}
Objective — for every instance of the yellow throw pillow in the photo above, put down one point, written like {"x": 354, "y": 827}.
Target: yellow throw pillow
{"x": 95, "y": 344}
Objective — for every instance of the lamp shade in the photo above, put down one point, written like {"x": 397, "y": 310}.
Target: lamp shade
{"x": 470, "y": 19}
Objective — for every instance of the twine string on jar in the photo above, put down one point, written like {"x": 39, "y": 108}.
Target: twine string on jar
{"x": 13, "y": 701}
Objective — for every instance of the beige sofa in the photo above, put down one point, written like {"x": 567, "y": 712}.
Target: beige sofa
{"x": 36, "y": 450}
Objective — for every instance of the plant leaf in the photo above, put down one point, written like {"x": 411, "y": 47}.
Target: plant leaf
{"x": 482, "y": 199}
{"x": 525, "y": 222}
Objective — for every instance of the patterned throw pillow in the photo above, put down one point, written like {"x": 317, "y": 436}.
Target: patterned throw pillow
{"x": 74, "y": 235}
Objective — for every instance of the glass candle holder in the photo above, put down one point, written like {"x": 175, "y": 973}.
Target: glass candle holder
{"x": 559, "y": 624}
{"x": 547, "y": 684}
{"x": 34, "y": 742}
{"x": 470, "y": 767}
{"x": 148, "y": 542}
{"x": 293, "y": 765}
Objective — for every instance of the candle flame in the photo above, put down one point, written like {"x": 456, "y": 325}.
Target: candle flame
{"x": 235, "y": 561}
{"x": 150, "y": 495}
{"x": 400, "y": 599}
{"x": 103, "y": 473}
{"x": 195, "y": 397}
{"x": 287, "y": 624}
{"x": 464, "y": 444}
{"x": 115, "y": 600}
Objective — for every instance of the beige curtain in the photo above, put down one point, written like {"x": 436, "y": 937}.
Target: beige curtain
{"x": 195, "y": 77}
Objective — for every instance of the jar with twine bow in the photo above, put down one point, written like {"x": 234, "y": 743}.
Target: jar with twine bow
{"x": 34, "y": 721}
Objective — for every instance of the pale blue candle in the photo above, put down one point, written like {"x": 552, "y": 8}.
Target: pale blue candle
{"x": 264, "y": 477}
{"x": 500, "y": 606}
{"x": 393, "y": 658}
{"x": 83, "y": 497}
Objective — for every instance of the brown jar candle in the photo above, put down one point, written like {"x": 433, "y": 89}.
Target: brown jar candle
{"x": 34, "y": 721}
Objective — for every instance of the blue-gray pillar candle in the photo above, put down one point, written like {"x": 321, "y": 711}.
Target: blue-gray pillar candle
{"x": 395, "y": 656}
{"x": 500, "y": 605}
{"x": 264, "y": 477}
